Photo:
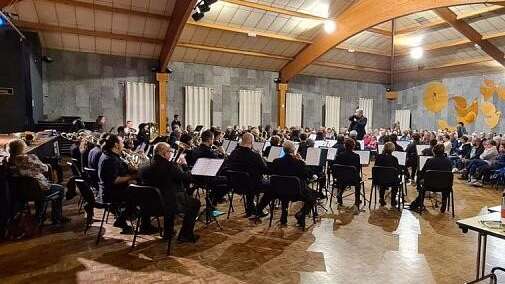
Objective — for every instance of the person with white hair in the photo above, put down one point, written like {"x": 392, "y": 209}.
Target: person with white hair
{"x": 291, "y": 165}
{"x": 358, "y": 123}
{"x": 354, "y": 136}
{"x": 169, "y": 177}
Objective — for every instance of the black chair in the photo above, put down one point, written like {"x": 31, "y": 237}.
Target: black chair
{"x": 151, "y": 202}
{"x": 92, "y": 178}
{"x": 76, "y": 171}
{"x": 88, "y": 197}
{"x": 439, "y": 181}
{"x": 241, "y": 184}
{"x": 386, "y": 177}
{"x": 286, "y": 188}
{"x": 343, "y": 177}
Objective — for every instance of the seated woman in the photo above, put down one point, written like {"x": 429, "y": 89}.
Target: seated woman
{"x": 370, "y": 142}
{"x": 475, "y": 152}
{"x": 274, "y": 141}
{"x": 349, "y": 158}
{"x": 486, "y": 169}
{"x": 386, "y": 159}
{"x": 439, "y": 162}
{"x": 29, "y": 165}
{"x": 486, "y": 157}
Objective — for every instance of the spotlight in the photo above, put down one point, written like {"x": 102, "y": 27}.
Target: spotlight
{"x": 416, "y": 52}
{"x": 203, "y": 7}
{"x": 329, "y": 26}
{"x": 277, "y": 80}
{"x": 197, "y": 16}
{"x": 388, "y": 89}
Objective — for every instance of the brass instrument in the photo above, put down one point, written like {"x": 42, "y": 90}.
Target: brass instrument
{"x": 82, "y": 135}
{"x": 134, "y": 159}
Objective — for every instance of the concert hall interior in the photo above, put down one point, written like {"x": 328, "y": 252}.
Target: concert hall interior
{"x": 252, "y": 141}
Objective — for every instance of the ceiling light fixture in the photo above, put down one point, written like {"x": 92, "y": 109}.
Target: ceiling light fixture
{"x": 416, "y": 52}
{"x": 416, "y": 40}
{"x": 477, "y": 46}
{"x": 197, "y": 16}
{"x": 201, "y": 8}
{"x": 329, "y": 26}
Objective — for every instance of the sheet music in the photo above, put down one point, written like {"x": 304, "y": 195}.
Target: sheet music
{"x": 362, "y": 144}
{"x": 313, "y": 157}
{"x": 275, "y": 152}
{"x": 226, "y": 143}
{"x": 420, "y": 148}
{"x": 258, "y": 146}
{"x": 266, "y": 145}
{"x": 403, "y": 144}
{"x": 364, "y": 157}
{"x": 231, "y": 147}
{"x": 319, "y": 143}
{"x": 422, "y": 161}
{"x": 297, "y": 145}
{"x": 331, "y": 143}
{"x": 312, "y": 136}
{"x": 380, "y": 148}
{"x": 401, "y": 156}
{"x": 332, "y": 152}
{"x": 207, "y": 167}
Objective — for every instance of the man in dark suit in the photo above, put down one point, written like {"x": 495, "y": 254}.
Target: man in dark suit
{"x": 439, "y": 162}
{"x": 169, "y": 178}
{"x": 244, "y": 159}
{"x": 358, "y": 123}
{"x": 349, "y": 158}
{"x": 291, "y": 165}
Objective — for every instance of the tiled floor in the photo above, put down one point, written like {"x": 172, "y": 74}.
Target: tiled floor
{"x": 381, "y": 246}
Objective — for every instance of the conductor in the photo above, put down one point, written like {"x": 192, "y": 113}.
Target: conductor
{"x": 358, "y": 123}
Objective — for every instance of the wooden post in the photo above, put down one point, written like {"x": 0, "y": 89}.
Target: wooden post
{"x": 281, "y": 104}
{"x": 161, "y": 101}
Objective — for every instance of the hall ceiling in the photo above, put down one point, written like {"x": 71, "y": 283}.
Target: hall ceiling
{"x": 264, "y": 34}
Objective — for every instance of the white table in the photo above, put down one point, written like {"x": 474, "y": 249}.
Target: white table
{"x": 474, "y": 224}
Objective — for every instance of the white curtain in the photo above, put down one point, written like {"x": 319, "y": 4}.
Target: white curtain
{"x": 332, "y": 112}
{"x": 403, "y": 116}
{"x": 367, "y": 106}
{"x": 249, "y": 113}
{"x": 140, "y": 102}
{"x": 197, "y": 106}
{"x": 293, "y": 110}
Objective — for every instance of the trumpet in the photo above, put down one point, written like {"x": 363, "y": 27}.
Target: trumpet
{"x": 82, "y": 135}
{"x": 134, "y": 159}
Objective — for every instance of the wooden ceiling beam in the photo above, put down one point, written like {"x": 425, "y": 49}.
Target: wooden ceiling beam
{"x": 359, "y": 17}
{"x": 449, "y": 64}
{"x": 473, "y": 35}
{"x": 352, "y": 67}
{"x": 182, "y": 11}
{"x": 39, "y": 27}
{"x": 5, "y": 3}
{"x": 292, "y": 13}
{"x": 106, "y": 8}
{"x": 440, "y": 23}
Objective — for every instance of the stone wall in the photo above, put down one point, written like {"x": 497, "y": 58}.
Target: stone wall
{"x": 467, "y": 86}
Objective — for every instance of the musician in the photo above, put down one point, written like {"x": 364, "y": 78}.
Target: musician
{"x": 100, "y": 123}
{"x": 169, "y": 178}
{"x": 29, "y": 165}
{"x": 114, "y": 178}
{"x": 175, "y": 122}
{"x": 129, "y": 128}
{"x": 204, "y": 150}
{"x": 394, "y": 139}
{"x": 429, "y": 151}
{"x": 358, "y": 123}
{"x": 174, "y": 136}
{"x": 143, "y": 137}
{"x": 274, "y": 141}
{"x": 95, "y": 153}
{"x": 244, "y": 159}
{"x": 304, "y": 144}
{"x": 438, "y": 163}
{"x": 291, "y": 165}
{"x": 340, "y": 144}
{"x": 349, "y": 158}
{"x": 386, "y": 159}
{"x": 412, "y": 156}
{"x": 354, "y": 136}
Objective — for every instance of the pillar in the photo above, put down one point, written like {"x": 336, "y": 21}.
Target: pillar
{"x": 161, "y": 101}
{"x": 282, "y": 88}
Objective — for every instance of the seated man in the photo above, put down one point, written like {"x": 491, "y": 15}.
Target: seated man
{"x": 29, "y": 165}
{"x": 244, "y": 159}
{"x": 439, "y": 163}
{"x": 412, "y": 156}
{"x": 386, "y": 159}
{"x": 489, "y": 154}
{"x": 429, "y": 151}
{"x": 169, "y": 178}
{"x": 274, "y": 141}
{"x": 114, "y": 177}
{"x": 291, "y": 165}
{"x": 349, "y": 158}
{"x": 484, "y": 171}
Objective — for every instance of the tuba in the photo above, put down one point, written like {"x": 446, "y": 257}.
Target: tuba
{"x": 134, "y": 159}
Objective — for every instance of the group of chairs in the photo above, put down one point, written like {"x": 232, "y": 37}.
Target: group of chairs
{"x": 390, "y": 177}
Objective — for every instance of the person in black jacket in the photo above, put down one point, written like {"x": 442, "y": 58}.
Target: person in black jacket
{"x": 340, "y": 144}
{"x": 291, "y": 165}
{"x": 394, "y": 138}
{"x": 349, "y": 158}
{"x": 244, "y": 159}
{"x": 386, "y": 159}
{"x": 358, "y": 123}
{"x": 274, "y": 141}
{"x": 304, "y": 144}
{"x": 412, "y": 157}
{"x": 169, "y": 178}
{"x": 439, "y": 163}
{"x": 429, "y": 151}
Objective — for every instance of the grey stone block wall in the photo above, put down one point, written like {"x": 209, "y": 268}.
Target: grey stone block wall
{"x": 88, "y": 85}
{"x": 467, "y": 86}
